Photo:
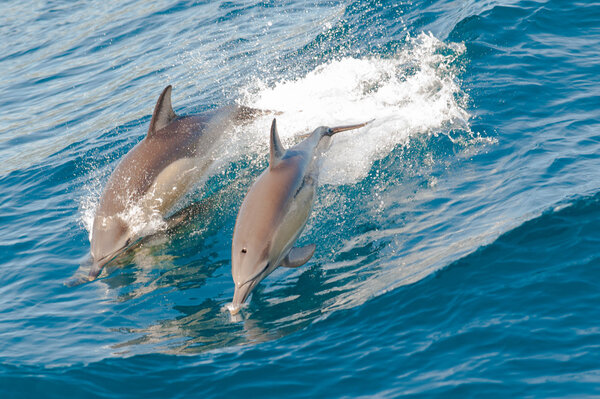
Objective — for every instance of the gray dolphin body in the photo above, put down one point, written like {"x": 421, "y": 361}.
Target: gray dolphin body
{"x": 275, "y": 211}
{"x": 154, "y": 175}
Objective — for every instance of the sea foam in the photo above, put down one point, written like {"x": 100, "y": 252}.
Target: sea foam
{"x": 415, "y": 92}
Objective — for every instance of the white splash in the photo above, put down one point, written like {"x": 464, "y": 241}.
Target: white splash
{"x": 416, "y": 92}
{"x": 89, "y": 202}
{"x": 141, "y": 219}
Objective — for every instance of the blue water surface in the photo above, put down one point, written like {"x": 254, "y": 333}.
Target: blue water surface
{"x": 463, "y": 263}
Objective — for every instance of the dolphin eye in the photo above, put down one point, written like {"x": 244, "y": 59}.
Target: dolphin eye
{"x": 244, "y": 250}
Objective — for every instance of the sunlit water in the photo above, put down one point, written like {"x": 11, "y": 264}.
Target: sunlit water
{"x": 456, "y": 234}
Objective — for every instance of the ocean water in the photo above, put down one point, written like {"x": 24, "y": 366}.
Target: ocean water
{"x": 457, "y": 235}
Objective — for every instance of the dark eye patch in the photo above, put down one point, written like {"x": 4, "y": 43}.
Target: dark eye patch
{"x": 244, "y": 250}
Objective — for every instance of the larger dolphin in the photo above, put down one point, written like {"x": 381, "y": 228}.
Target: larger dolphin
{"x": 275, "y": 211}
{"x": 154, "y": 175}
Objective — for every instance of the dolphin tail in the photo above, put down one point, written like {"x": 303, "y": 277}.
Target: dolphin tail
{"x": 333, "y": 130}
{"x": 245, "y": 114}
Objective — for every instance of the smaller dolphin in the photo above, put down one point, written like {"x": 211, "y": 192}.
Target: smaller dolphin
{"x": 275, "y": 211}
{"x": 152, "y": 177}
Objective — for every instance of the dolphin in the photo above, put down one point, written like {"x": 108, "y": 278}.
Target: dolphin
{"x": 275, "y": 211}
{"x": 155, "y": 175}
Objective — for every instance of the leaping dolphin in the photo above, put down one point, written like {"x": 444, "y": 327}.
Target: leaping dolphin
{"x": 275, "y": 211}
{"x": 155, "y": 174}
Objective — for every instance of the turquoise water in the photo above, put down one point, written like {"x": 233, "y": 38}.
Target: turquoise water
{"x": 457, "y": 236}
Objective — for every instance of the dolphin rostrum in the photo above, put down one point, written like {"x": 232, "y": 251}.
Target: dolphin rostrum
{"x": 275, "y": 211}
{"x": 155, "y": 175}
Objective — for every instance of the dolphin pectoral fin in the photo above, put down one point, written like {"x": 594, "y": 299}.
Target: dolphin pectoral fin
{"x": 298, "y": 256}
{"x": 163, "y": 112}
{"x": 277, "y": 149}
{"x": 206, "y": 207}
{"x": 189, "y": 213}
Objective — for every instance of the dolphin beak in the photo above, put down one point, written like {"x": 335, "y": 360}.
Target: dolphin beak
{"x": 88, "y": 271}
{"x": 96, "y": 268}
{"x": 240, "y": 295}
{"x": 338, "y": 129}
{"x": 98, "y": 265}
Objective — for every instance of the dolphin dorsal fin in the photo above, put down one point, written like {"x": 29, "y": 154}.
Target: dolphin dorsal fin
{"x": 277, "y": 149}
{"x": 163, "y": 112}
